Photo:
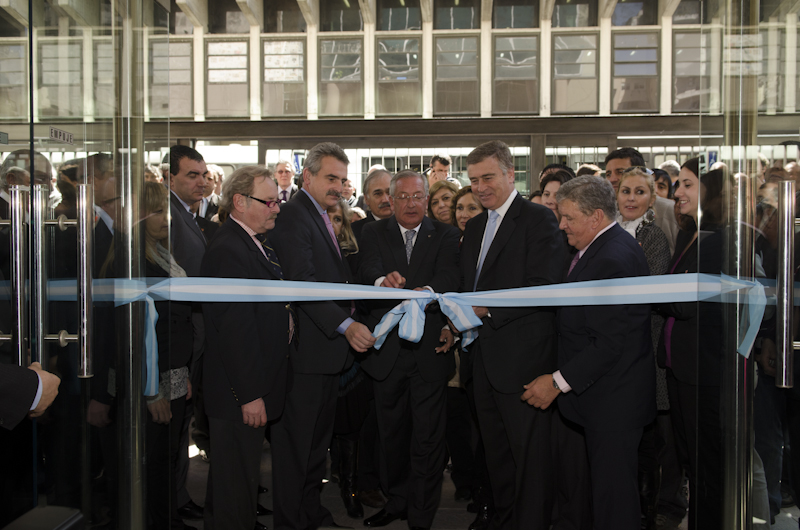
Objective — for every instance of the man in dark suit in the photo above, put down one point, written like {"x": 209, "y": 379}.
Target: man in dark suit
{"x": 25, "y": 391}
{"x": 409, "y": 250}
{"x": 305, "y": 241}
{"x": 247, "y": 351}
{"x": 376, "y": 199}
{"x": 514, "y": 243}
{"x": 284, "y": 173}
{"x": 187, "y": 181}
{"x": 209, "y": 205}
{"x": 606, "y": 371}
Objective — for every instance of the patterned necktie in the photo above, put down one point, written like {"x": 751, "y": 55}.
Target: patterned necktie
{"x": 272, "y": 258}
{"x": 329, "y": 226}
{"x": 574, "y": 262}
{"x": 491, "y": 228}
{"x": 284, "y": 197}
{"x": 409, "y": 244}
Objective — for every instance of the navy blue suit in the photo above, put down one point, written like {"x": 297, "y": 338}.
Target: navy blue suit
{"x": 605, "y": 355}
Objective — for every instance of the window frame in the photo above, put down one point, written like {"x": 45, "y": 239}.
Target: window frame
{"x": 283, "y": 37}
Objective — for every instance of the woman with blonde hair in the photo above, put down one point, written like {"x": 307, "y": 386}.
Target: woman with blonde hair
{"x": 440, "y": 198}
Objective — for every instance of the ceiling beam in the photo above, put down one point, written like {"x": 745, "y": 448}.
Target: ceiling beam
{"x": 487, "y": 6}
{"x": 368, "y": 13}
{"x": 310, "y": 10}
{"x": 546, "y": 8}
{"x": 426, "y": 10}
{"x": 253, "y": 11}
{"x": 606, "y": 8}
{"x": 196, "y": 11}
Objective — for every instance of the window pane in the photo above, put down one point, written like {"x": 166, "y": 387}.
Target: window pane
{"x": 642, "y": 13}
{"x": 399, "y": 15}
{"x": 13, "y": 81}
{"x": 691, "y": 83}
{"x": 635, "y": 40}
{"x": 575, "y": 73}
{"x": 516, "y": 90}
{"x": 569, "y": 14}
{"x": 457, "y": 87}
{"x": 632, "y": 56}
{"x": 691, "y": 12}
{"x": 635, "y": 72}
{"x": 283, "y": 91}
{"x": 399, "y": 98}
{"x": 171, "y": 79}
{"x": 340, "y": 15}
{"x": 61, "y": 79}
{"x": 227, "y": 91}
{"x": 456, "y": 14}
{"x": 340, "y": 77}
{"x": 104, "y": 96}
{"x": 516, "y": 97}
{"x": 283, "y": 16}
{"x": 635, "y": 94}
{"x": 516, "y": 14}
{"x": 575, "y": 95}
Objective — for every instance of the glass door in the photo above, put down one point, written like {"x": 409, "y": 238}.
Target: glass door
{"x": 72, "y": 93}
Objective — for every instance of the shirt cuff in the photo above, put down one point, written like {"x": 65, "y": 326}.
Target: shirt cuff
{"x": 344, "y": 325}
{"x": 379, "y": 281}
{"x": 38, "y": 394}
{"x": 562, "y": 383}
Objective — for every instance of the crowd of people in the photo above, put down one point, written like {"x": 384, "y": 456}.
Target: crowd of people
{"x": 583, "y": 417}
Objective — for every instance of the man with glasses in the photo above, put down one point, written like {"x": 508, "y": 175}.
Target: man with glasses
{"x": 284, "y": 173}
{"x": 247, "y": 354}
{"x": 306, "y": 243}
{"x": 617, "y": 162}
{"x": 411, "y": 251}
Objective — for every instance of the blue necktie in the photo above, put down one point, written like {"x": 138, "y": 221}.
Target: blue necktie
{"x": 491, "y": 228}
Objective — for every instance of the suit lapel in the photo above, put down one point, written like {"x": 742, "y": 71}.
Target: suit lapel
{"x": 593, "y": 249}
{"x": 250, "y": 245}
{"x": 397, "y": 245}
{"x": 320, "y": 222}
{"x": 187, "y": 218}
{"x": 503, "y": 234}
{"x": 477, "y": 228}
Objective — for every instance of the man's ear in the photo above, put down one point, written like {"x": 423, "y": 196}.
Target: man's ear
{"x": 306, "y": 177}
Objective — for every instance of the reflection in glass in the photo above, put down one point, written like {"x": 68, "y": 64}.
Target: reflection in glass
{"x": 575, "y": 73}
{"x": 284, "y": 86}
{"x": 170, "y": 78}
{"x": 341, "y": 91}
{"x": 60, "y": 78}
{"x": 579, "y": 14}
{"x": 399, "y": 15}
{"x": 225, "y": 16}
{"x": 771, "y": 76}
{"x": 516, "y": 88}
{"x": 635, "y": 87}
{"x": 13, "y": 79}
{"x": 398, "y": 77}
{"x": 227, "y": 88}
{"x": 692, "y": 78}
{"x": 283, "y": 16}
{"x": 516, "y": 14}
{"x": 340, "y": 15}
{"x": 691, "y": 12}
{"x": 456, "y": 89}
{"x": 456, "y": 14}
{"x": 633, "y": 13}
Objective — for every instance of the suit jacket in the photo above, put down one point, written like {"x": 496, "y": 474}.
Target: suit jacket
{"x": 247, "y": 343}
{"x": 527, "y": 250}
{"x": 18, "y": 387}
{"x": 605, "y": 352}
{"x": 307, "y": 253}
{"x": 434, "y": 263}
{"x": 187, "y": 240}
{"x": 213, "y": 207}
{"x": 665, "y": 220}
{"x": 355, "y": 259}
{"x": 359, "y": 225}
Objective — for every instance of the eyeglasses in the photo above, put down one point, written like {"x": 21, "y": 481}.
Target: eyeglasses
{"x": 268, "y": 204}
{"x": 405, "y": 197}
{"x": 639, "y": 168}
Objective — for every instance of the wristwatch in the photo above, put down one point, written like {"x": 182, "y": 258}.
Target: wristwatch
{"x": 555, "y": 384}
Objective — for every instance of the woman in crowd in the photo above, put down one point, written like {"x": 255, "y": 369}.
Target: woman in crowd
{"x": 663, "y": 183}
{"x": 355, "y": 392}
{"x": 465, "y": 206}
{"x": 549, "y": 185}
{"x": 440, "y": 198}
{"x": 635, "y": 199}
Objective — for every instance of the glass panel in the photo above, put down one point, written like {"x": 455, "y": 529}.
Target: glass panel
{"x": 284, "y": 80}
{"x": 13, "y": 77}
{"x": 457, "y": 87}
{"x": 171, "y": 92}
{"x": 635, "y": 60}
{"x": 283, "y": 16}
{"x": 770, "y": 78}
{"x": 691, "y": 12}
{"x": 516, "y": 14}
{"x": 61, "y": 78}
{"x": 225, "y": 16}
{"x": 341, "y": 91}
{"x": 398, "y": 77}
{"x": 399, "y": 15}
{"x": 227, "y": 92}
{"x": 456, "y": 14}
{"x": 104, "y": 99}
{"x": 632, "y": 13}
{"x": 568, "y": 14}
{"x": 574, "y": 73}
{"x": 515, "y": 73}
{"x": 692, "y": 79}
{"x": 340, "y": 15}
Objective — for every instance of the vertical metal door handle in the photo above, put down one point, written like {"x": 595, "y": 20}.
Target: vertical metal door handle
{"x": 37, "y": 237}
{"x": 85, "y": 252}
{"x": 784, "y": 377}
{"x": 19, "y": 269}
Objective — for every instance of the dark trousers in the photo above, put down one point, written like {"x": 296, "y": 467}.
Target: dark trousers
{"x": 370, "y": 462}
{"x": 698, "y": 439}
{"x": 232, "y": 489}
{"x": 411, "y": 423}
{"x": 300, "y": 441}
{"x": 517, "y": 441}
{"x": 573, "y": 503}
{"x": 459, "y": 438}
{"x": 162, "y": 447}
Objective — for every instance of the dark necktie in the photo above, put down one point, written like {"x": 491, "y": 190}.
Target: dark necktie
{"x": 574, "y": 262}
{"x": 272, "y": 258}
{"x": 284, "y": 196}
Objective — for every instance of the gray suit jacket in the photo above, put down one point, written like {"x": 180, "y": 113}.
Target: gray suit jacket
{"x": 187, "y": 240}
{"x": 665, "y": 220}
